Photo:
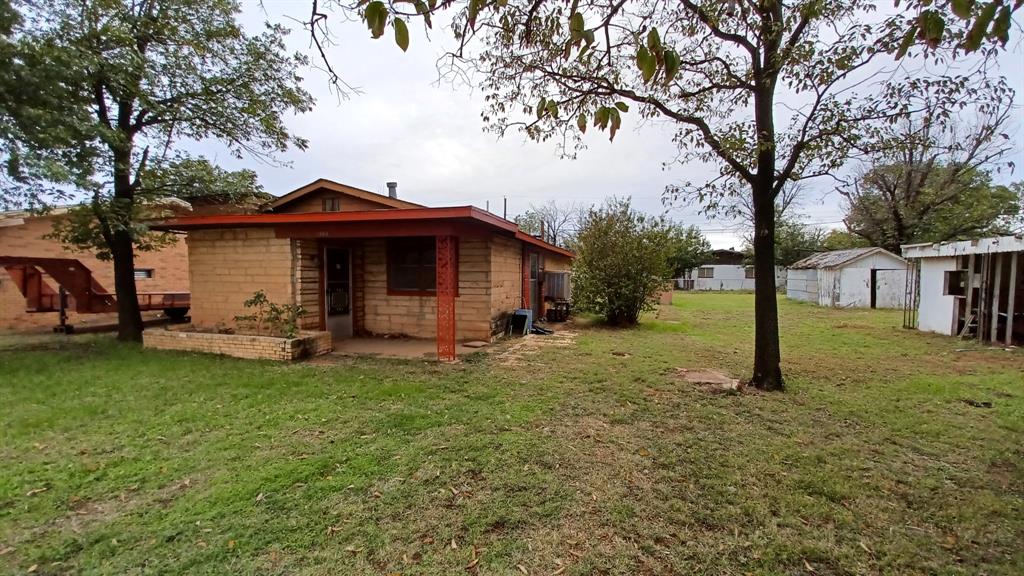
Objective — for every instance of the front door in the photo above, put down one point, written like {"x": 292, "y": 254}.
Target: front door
{"x": 338, "y": 292}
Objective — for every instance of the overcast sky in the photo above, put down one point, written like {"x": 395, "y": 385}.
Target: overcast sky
{"x": 428, "y": 137}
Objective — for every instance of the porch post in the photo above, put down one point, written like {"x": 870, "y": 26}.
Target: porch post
{"x": 526, "y": 278}
{"x": 446, "y": 286}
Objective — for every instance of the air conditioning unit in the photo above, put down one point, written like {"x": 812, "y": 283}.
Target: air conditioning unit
{"x": 557, "y": 286}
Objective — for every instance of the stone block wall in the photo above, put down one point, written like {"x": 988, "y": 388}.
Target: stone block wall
{"x": 239, "y": 345}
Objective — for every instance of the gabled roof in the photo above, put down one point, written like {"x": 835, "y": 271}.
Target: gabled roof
{"x": 837, "y": 258}
{"x": 325, "y": 184}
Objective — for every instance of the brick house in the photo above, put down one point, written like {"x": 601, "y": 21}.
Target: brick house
{"x": 362, "y": 263}
{"x": 22, "y": 235}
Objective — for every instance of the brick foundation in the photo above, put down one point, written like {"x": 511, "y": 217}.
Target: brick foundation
{"x": 239, "y": 345}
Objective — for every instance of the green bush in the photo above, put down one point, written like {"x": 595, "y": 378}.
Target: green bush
{"x": 270, "y": 319}
{"x": 622, "y": 261}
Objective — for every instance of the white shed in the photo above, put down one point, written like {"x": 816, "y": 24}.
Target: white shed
{"x": 970, "y": 288}
{"x": 859, "y": 277}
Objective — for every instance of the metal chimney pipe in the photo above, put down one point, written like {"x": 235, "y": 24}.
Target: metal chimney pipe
{"x": 393, "y": 189}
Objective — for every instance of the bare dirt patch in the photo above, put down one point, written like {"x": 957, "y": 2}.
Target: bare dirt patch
{"x": 710, "y": 380}
{"x": 516, "y": 352}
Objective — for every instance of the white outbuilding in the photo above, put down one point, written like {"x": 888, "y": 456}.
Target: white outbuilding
{"x": 858, "y": 277}
{"x": 971, "y": 288}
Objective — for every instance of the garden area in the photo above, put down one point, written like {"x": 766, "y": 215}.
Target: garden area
{"x": 891, "y": 452}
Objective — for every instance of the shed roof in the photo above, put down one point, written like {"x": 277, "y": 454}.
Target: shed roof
{"x": 837, "y": 258}
{"x": 958, "y": 247}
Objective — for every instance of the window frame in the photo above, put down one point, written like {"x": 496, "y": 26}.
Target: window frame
{"x": 710, "y": 274}
{"x": 748, "y": 272}
{"x": 334, "y": 201}
{"x": 148, "y": 273}
{"x": 961, "y": 283}
{"x": 395, "y": 245}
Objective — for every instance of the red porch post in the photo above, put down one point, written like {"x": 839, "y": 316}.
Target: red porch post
{"x": 446, "y": 287}
{"x": 526, "y": 278}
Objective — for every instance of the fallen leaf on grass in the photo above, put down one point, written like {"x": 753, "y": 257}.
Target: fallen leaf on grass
{"x": 454, "y": 545}
{"x": 559, "y": 571}
{"x": 522, "y": 569}
{"x": 331, "y": 530}
{"x": 35, "y": 491}
{"x": 33, "y": 568}
{"x": 7, "y": 550}
{"x": 353, "y": 549}
{"x": 808, "y": 566}
{"x": 231, "y": 544}
{"x": 260, "y": 497}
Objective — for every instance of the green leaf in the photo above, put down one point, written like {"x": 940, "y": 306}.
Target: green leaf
{"x": 541, "y": 107}
{"x": 576, "y": 26}
{"x": 672, "y": 63}
{"x": 646, "y": 62}
{"x": 908, "y": 41}
{"x": 601, "y": 117}
{"x": 616, "y": 123}
{"x": 931, "y": 25}
{"x": 654, "y": 41}
{"x": 588, "y": 37}
{"x": 552, "y": 108}
{"x": 962, "y": 8}
{"x": 581, "y": 123}
{"x": 622, "y": 106}
{"x": 401, "y": 34}
{"x": 1001, "y": 27}
{"x": 376, "y": 16}
{"x": 423, "y": 10}
{"x": 474, "y": 11}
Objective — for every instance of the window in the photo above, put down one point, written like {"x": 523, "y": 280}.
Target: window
{"x": 411, "y": 265}
{"x": 748, "y": 272}
{"x": 331, "y": 204}
{"x": 143, "y": 273}
{"x": 955, "y": 283}
{"x": 705, "y": 272}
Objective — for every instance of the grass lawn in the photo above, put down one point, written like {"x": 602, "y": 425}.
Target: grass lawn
{"x": 591, "y": 459}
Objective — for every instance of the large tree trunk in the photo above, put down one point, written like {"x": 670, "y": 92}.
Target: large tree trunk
{"x": 129, "y": 318}
{"x": 767, "y": 356}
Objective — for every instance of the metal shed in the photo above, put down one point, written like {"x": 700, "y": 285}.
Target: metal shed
{"x": 858, "y": 277}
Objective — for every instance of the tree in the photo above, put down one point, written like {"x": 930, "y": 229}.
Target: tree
{"x": 551, "y": 222}
{"x": 843, "y": 240}
{"x": 715, "y": 69}
{"x": 622, "y": 260}
{"x": 969, "y": 23}
{"x": 796, "y": 240}
{"x": 929, "y": 178}
{"x": 134, "y": 80}
{"x": 688, "y": 249}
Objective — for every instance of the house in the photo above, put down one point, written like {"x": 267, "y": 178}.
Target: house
{"x": 362, "y": 263}
{"x": 969, "y": 288}
{"x": 725, "y": 270}
{"x": 858, "y": 277}
{"x": 29, "y": 295}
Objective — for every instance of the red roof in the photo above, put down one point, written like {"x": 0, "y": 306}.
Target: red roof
{"x": 453, "y": 214}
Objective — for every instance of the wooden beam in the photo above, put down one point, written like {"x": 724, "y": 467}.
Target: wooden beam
{"x": 996, "y": 289}
{"x": 1011, "y": 297}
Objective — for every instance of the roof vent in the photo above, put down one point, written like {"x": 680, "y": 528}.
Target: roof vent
{"x": 393, "y": 189}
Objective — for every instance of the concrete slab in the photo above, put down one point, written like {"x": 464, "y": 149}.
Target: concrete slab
{"x": 408, "y": 348}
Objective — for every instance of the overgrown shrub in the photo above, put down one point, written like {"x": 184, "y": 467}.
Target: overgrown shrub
{"x": 622, "y": 260}
{"x": 269, "y": 318}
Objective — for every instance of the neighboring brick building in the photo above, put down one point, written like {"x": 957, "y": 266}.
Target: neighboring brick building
{"x": 23, "y": 235}
{"x": 362, "y": 263}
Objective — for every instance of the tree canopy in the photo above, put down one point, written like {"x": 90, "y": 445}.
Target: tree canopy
{"x": 119, "y": 88}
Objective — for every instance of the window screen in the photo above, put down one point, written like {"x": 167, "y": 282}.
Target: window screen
{"x": 331, "y": 204}
{"x": 411, "y": 265}
{"x": 705, "y": 272}
{"x": 141, "y": 273}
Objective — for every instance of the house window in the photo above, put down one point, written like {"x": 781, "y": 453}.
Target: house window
{"x": 143, "y": 273}
{"x": 748, "y": 272}
{"x": 331, "y": 204}
{"x": 705, "y": 272}
{"x": 411, "y": 265}
{"x": 955, "y": 283}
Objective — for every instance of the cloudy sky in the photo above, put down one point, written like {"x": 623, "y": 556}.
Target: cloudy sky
{"x": 405, "y": 126}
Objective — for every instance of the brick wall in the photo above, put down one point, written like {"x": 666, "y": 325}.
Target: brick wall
{"x": 306, "y": 271}
{"x": 227, "y": 266}
{"x": 506, "y": 279}
{"x": 416, "y": 315}
{"x": 239, "y": 345}
{"x": 170, "y": 273}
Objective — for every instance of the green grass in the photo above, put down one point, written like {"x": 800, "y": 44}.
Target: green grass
{"x": 595, "y": 458}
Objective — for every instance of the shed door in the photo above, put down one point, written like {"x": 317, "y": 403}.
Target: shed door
{"x": 535, "y": 296}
